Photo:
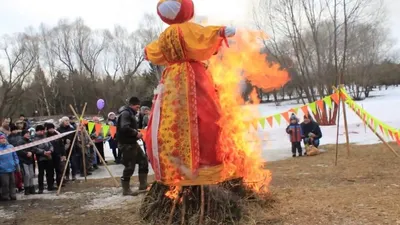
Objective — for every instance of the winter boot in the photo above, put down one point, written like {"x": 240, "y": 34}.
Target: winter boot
{"x": 32, "y": 190}
{"x": 126, "y": 189}
{"x": 27, "y": 191}
{"x": 143, "y": 182}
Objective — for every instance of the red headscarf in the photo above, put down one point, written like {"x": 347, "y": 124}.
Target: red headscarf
{"x": 175, "y": 11}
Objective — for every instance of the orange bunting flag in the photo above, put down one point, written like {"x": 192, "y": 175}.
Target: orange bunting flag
{"x": 270, "y": 120}
{"x": 343, "y": 96}
{"x": 335, "y": 98}
{"x": 84, "y": 122}
{"x": 398, "y": 138}
{"x": 113, "y": 131}
{"x": 390, "y": 134}
{"x": 380, "y": 126}
{"x": 320, "y": 104}
{"x": 305, "y": 110}
{"x": 286, "y": 116}
{"x": 97, "y": 128}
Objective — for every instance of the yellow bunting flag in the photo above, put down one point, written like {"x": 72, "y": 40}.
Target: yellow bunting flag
{"x": 105, "y": 129}
{"x": 328, "y": 101}
{"x": 90, "y": 127}
{"x": 375, "y": 124}
{"x": 313, "y": 107}
{"x": 270, "y": 120}
{"x": 278, "y": 118}
{"x": 255, "y": 124}
{"x": 262, "y": 122}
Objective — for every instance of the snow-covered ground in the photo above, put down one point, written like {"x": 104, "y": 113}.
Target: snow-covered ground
{"x": 276, "y": 145}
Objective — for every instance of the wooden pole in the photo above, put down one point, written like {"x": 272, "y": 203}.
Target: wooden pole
{"x": 101, "y": 158}
{"x": 67, "y": 162}
{"x": 82, "y": 140}
{"x": 337, "y": 131}
{"x": 70, "y": 150}
{"x": 376, "y": 133}
{"x": 345, "y": 122}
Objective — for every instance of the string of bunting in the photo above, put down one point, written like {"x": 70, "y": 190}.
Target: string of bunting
{"x": 314, "y": 106}
{"x": 388, "y": 131}
{"x": 103, "y": 128}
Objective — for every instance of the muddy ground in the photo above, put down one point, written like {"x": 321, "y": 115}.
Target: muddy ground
{"x": 361, "y": 189}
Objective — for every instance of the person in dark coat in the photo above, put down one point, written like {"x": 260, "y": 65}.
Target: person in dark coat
{"x": 295, "y": 132}
{"x": 44, "y": 153}
{"x": 132, "y": 154}
{"x": 26, "y": 161}
{"x": 311, "y": 132}
{"x": 58, "y": 156}
{"x": 65, "y": 126}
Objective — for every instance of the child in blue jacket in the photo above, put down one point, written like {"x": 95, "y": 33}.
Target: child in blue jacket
{"x": 296, "y": 133}
{"x": 8, "y": 165}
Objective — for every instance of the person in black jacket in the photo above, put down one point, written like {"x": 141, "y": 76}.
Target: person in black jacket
{"x": 26, "y": 160}
{"x": 43, "y": 153}
{"x": 58, "y": 155}
{"x": 311, "y": 132}
{"x": 132, "y": 154}
{"x": 65, "y": 126}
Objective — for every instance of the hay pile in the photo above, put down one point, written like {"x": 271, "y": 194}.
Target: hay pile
{"x": 224, "y": 203}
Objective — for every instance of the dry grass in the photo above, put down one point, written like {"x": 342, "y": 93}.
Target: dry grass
{"x": 362, "y": 189}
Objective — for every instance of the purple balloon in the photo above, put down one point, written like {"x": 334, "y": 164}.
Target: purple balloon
{"x": 100, "y": 104}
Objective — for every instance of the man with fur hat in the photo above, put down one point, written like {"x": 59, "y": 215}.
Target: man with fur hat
{"x": 44, "y": 153}
{"x": 132, "y": 154}
{"x": 65, "y": 126}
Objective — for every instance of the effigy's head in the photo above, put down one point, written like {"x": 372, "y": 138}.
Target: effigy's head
{"x": 175, "y": 11}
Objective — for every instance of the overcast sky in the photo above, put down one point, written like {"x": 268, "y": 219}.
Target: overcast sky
{"x": 16, "y": 15}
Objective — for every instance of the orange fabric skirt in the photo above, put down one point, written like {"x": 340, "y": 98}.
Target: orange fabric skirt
{"x": 188, "y": 121}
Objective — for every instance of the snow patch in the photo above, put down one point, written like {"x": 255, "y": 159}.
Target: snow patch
{"x": 110, "y": 199}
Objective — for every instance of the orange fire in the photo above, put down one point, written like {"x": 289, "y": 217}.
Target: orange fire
{"x": 241, "y": 148}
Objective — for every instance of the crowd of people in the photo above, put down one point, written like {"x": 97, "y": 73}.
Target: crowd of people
{"x": 18, "y": 169}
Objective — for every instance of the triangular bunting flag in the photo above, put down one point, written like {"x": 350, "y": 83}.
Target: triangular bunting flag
{"x": 270, "y": 120}
{"x": 313, "y": 107}
{"x": 320, "y": 104}
{"x": 113, "y": 131}
{"x": 278, "y": 118}
{"x": 305, "y": 110}
{"x": 105, "y": 130}
{"x": 295, "y": 110}
{"x": 391, "y": 134}
{"x": 343, "y": 96}
{"x": 385, "y": 129}
{"x": 255, "y": 124}
{"x": 398, "y": 138}
{"x": 375, "y": 125}
{"x": 335, "y": 98}
{"x": 262, "y": 122}
{"x": 84, "y": 122}
{"x": 90, "y": 127}
{"x": 286, "y": 116}
{"x": 328, "y": 101}
{"x": 380, "y": 126}
{"x": 97, "y": 128}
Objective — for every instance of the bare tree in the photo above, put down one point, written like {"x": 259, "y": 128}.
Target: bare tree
{"x": 20, "y": 52}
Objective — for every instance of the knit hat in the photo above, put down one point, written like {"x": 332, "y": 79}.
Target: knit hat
{"x": 2, "y": 136}
{"x": 39, "y": 128}
{"x": 13, "y": 127}
{"x": 25, "y": 132}
{"x": 143, "y": 108}
{"x": 134, "y": 101}
{"x": 175, "y": 11}
{"x": 64, "y": 118}
{"x": 293, "y": 117}
{"x": 49, "y": 126}
{"x": 109, "y": 114}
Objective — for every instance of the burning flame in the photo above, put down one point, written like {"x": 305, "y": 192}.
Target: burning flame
{"x": 240, "y": 148}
